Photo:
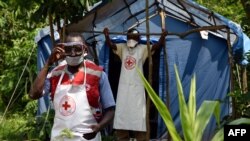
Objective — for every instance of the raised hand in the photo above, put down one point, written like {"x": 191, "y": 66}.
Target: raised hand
{"x": 106, "y": 31}
{"x": 56, "y": 54}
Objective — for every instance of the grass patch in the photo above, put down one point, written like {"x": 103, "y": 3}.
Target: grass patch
{"x": 11, "y": 127}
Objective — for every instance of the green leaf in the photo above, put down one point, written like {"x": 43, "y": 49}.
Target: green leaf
{"x": 204, "y": 114}
{"x": 41, "y": 134}
{"x": 240, "y": 121}
{"x": 82, "y": 2}
{"x": 184, "y": 113}
{"x": 66, "y": 133}
{"x": 219, "y": 136}
{"x": 161, "y": 107}
{"x": 2, "y": 4}
{"x": 192, "y": 101}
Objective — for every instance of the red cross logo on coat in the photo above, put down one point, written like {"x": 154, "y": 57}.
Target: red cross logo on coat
{"x": 67, "y": 106}
{"x": 130, "y": 62}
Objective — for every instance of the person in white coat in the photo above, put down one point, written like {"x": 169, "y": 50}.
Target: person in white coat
{"x": 80, "y": 92}
{"x": 130, "y": 113}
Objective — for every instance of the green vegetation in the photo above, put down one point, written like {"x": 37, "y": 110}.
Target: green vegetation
{"x": 25, "y": 125}
{"x": 236, "y": 10}
{"x": 193, "y": 122}
{"x": 20, "y": 21}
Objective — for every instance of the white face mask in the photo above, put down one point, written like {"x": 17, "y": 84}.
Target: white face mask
{"x": 132, "y": 43}
{"x": 74, "y": 61}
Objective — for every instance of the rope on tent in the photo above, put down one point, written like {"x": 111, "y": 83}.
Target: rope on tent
{"x": 186, "y": 17}
{"x": 138, "y": 13}
{"x": 190, "y": 15}
{"x": 12, "y": 95}
{"x": 183, "y": 17}
{"x": 211, "y": 16}
{"x": 143, "y": 20}
{"x": 127, "y": 5}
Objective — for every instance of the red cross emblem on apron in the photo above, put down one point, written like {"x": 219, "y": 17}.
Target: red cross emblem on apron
{"x": 130, "y": 62}
{"x": 67, "y": 105}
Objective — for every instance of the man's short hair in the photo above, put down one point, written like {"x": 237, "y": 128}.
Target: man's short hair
{"x": 75, "y": 35}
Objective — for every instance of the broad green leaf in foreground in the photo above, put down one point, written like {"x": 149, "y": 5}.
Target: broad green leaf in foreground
{"x": 162, "y": 109}
{"x": 186, "y": 119}
{"x": 193, "y": 123}
{"x": 204, "y": 115}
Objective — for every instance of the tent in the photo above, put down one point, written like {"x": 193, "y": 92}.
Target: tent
{"x": 199, "y": 42}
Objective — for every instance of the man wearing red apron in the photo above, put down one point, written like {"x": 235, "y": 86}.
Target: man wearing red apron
{"x": 79, "y": 91}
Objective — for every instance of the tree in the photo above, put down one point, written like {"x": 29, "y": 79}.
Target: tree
{"x": 231, "y": 9}
{"x": 246, "y": 5}
{"x": 20, "y": 21}
{"x": 56, "y": 11}
{"x": 17, "y": 40}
